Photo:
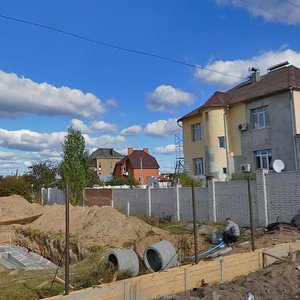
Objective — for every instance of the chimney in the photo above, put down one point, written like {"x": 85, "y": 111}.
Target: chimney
{"x": 146, "y": 150}
{"x": 255, "y": 76}
{"x": 130, "y": 150}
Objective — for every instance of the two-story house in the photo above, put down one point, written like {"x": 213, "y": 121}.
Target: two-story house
{"x": 247, "y": 127}
{"x": 103, "y": 162}
{"x": 139, "y": 164}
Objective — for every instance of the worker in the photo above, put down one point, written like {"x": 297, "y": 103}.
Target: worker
{"x": 231, "y": 232}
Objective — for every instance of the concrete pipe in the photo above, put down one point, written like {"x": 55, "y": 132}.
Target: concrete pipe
{"x": 160, "y": 256}
{"x": 125, "y": 260}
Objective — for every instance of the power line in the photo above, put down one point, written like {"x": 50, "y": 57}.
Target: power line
{"x": 291, "y": 3}
{"x": 118, "y": 47}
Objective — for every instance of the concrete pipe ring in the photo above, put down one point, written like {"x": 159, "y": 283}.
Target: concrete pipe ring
{"x": 125, "y": 260}
{"x": 160, "y": 256}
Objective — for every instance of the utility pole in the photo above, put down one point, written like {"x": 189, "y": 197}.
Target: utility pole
{"x": 67, "y": 254}
{"x": 250, "y": 212}
{"x": 194, "y": 222}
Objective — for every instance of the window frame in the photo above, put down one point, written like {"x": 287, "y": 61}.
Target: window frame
{"x": 222, "y": 138}
{"x": 260, "y": 117}
{"x": 198, "y": 166}
{"x": 196, "y": 132}
{"x": 263, "y": 159}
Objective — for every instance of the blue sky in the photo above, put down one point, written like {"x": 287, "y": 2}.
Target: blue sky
{"x": 120, "y": 99}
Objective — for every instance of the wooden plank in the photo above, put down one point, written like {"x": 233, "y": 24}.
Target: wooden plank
{"x": 187, "y": 277}
{"x": 180, "y": 279}
{"x": 21, "y": 220}
{"x": 275, "y": 256}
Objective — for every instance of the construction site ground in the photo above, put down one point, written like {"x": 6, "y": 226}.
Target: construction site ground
{"x": 95, "y": 230}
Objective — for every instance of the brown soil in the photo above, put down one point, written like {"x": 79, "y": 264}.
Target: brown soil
{"x": 276, "y": 282}
{"x": 91, "y": 226}
{"x": 95, "y": 226}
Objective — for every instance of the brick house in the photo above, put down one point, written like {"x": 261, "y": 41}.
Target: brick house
{"x": 103, "y": 162}
{"x": 139, "y": 164}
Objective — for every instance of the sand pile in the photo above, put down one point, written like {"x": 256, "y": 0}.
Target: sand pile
{"x": 16, "y": 207}
{"x": 95, "y": 225}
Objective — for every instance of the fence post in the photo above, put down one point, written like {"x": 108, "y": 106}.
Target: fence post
{"x": 212, "y": 213}
{"x": 149, "y": 204}
{"x": 42, "y": 195}
{"x": 48, "y": 195}
{"x": 176, "y": 202}
{"x": 128, "y": 209}
{"x": 262, "y": 199}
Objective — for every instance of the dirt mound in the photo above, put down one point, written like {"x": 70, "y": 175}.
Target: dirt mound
{"x": 102, "y": 226}
{"x": 16, "y": 207}
{"x": 278, "y": 281}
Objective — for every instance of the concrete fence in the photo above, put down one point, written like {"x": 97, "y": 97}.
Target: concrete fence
{"x": 274, "y": 196}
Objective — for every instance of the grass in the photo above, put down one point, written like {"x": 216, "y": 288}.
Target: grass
{"x": 21, "y": 284}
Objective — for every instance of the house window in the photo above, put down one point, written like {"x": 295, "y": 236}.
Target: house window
{"x": 259, "y": 117}
{"x": 206, "y": 116}
{"x": 263, "y": 159}
{"x": 111, "y": 165}
{"x": 198, "y": 166}
{"x": 221, "y": 140}
{"x": 196, "y": 132}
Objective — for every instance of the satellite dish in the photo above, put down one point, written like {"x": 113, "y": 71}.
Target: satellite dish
{"x": 278, "y": 165}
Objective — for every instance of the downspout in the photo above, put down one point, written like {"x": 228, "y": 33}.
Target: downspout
{"x": 293, "y": 127}
{"x": 226, "y": 139}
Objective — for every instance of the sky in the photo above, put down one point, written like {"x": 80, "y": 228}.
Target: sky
{"x": 124, "y": 71}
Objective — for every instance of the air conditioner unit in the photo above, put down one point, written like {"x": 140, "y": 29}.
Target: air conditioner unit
{"x": 245, "y": 168}
{"x": 243, "y": 126}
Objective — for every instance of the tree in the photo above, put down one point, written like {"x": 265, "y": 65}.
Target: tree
{"x": 186, "y": 180}
{"x": 42, "y": 174}
{"x": 75, "y": 166}
{"x": 15, "y": 185}
{"x": 122, "y": 181}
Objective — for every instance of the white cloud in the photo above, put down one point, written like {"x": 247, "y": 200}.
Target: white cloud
{"x": 20, "y": 96}
{"x": 276, "y": 11}
{"x": 79, "y": 125}
{"x": 166, "y": 98}
{"x": 132, "y": 130}
{"x": 103, "y": 126}
{"x": 112, "y": 102}
{"x": 239, "y": 68}
{"x": 162, "y": 128}
{"x": 106, "y": 141}
{"x": 25, "y": 139}
{"x": 165, "y": 150}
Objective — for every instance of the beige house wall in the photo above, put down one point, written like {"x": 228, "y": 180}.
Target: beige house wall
{"x": 235, "y": 115}
{"x": 297, "y": 110}
{"x": 212, "y": 127}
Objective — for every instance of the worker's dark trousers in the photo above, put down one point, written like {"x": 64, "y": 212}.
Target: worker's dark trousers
{"x": 229, "y": 237}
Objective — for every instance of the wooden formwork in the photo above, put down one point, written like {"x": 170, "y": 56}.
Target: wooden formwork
{"x": 181, "y": 279}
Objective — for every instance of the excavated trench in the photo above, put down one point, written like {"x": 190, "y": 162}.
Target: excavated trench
{"x": 50, "y": 246}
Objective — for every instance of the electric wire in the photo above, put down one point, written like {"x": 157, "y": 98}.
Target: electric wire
{"x": 291, "y": 3}
{"x": 144, "y": 53}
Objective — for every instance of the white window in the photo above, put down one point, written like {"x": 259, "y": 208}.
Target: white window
{"x": 198, "y": 166}
{"x": 196, "y": 132}
{"x": 263, "y": 159}
{"x": 221, "y": 140}
{"x": 259, "y": 117}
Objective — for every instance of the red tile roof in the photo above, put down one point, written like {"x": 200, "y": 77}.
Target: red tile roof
{"x": 274, "y": 82}
{"x": 148, "y": 161}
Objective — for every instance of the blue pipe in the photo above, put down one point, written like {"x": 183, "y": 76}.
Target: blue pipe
{"x": 208, "y": 251}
